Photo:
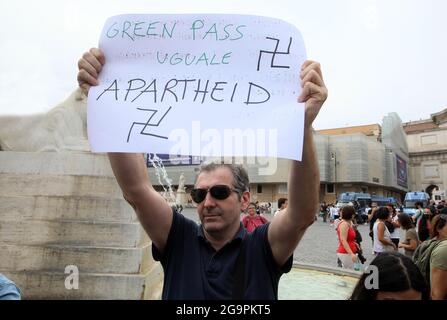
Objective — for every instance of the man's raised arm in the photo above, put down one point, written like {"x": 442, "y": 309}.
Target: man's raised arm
{"x": 130, "y": 169}
{"x": 152, "y": 209}
{"x": 288, "y": 227}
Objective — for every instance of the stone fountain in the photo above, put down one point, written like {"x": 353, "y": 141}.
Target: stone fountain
{"x": 61, "y": 206}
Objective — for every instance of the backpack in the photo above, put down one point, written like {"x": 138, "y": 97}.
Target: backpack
{"x": 422, "y": 257}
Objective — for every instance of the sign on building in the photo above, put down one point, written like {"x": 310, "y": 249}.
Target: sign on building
{"x": 402, "y": 177}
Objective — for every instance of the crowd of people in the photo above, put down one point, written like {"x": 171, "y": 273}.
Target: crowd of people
{"x": 229, "y": 257}
{"x": 420, "y": 237}
{"x": 418, "y": 271}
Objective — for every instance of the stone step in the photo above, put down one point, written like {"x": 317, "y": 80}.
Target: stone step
{"x": 62, "y": 163}
{"x": 51, "y": 285}
{"x": 87, "y": 259}
{"x": 66, "y": 208}
{"x": 58, "y": 185}
{"x": 75, "y": 233}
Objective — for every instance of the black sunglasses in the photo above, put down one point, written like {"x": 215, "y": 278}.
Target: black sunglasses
{"x": 219, "y": 192}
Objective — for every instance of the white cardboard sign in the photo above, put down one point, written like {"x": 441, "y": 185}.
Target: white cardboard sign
{"x": 200, "y": 85}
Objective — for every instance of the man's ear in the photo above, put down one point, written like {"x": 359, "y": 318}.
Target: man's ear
{"x": 245, "y": 200}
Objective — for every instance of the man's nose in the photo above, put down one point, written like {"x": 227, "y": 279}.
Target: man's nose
{"x": 209, "y": 201}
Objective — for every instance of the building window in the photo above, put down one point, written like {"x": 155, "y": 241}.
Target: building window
{"x": 259, "y": 188}
{"x": 330, "y": 188}
{"x": 431, "y": 171}
{"x": 429, "y": 139}
{"x": 282, "y": 188}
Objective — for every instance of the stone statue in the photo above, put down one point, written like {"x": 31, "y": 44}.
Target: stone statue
{"x": 63, "y": 128}
{"x": 181, "y": 182}
{"x": 180, "y": 198}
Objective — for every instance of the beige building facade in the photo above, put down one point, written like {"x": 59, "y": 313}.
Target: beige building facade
{"x": 371, "y": 159}
{"x": 353, "y": 159}
{"x": 427, "y": 143}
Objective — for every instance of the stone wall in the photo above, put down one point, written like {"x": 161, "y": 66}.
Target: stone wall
{"x": 62, "y": 209}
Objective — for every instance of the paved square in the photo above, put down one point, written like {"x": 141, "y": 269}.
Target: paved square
{"x": 319, "y": 244}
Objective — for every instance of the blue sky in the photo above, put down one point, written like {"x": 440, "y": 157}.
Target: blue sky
{"x": 378, "y": 56}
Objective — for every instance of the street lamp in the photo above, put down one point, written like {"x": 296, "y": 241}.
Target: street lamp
{"x": 334, "y": 157}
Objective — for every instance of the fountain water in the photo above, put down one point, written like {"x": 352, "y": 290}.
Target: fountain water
{"x": 163, "y": 179}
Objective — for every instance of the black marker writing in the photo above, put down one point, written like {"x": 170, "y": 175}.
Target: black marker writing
{"x": 148, "y": 124}
{"x": 192, "y": 90}
{"x": 274, "y": 53}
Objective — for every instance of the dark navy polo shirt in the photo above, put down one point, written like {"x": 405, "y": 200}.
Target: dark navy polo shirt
{"x": 194, "y": 270}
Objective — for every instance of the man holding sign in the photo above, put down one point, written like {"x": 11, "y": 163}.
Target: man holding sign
{"x": 219, "y": 259}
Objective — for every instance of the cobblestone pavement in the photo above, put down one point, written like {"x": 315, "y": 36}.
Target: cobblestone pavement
{"x": 319, "y": 244}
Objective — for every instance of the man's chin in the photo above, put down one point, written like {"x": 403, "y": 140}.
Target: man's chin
{"x": 211, "y": 227}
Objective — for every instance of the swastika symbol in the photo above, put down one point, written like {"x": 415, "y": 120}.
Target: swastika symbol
{"x": 274, "y": 53}
{"x": 148, "y": 124}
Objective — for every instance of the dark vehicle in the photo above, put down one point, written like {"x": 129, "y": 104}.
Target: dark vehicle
{"x": 359, "y": 200}
{"x": 383, "y": 201}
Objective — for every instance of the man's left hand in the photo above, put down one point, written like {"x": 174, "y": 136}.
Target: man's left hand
{"x": 314, "y": 91}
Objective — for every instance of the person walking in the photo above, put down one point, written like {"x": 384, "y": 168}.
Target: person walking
{"x": 382, "y": 237}
{"x": 323, "y": 211}
{"x": 411, "y": 239}
{"x": 418, "y": 214}
{"x": 348, "y": 246}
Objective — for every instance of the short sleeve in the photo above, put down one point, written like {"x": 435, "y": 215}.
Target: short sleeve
{"x": 412, "y": 235}
{"x": 8, "y": 290}
{"x": 287, "y": 266}
{"x": 156, "y": 254}
{"x": 438, "y": 258}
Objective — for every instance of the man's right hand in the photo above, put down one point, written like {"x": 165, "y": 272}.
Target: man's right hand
{"x": 90, "y": 65}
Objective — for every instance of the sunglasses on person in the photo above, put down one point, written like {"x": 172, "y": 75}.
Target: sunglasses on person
{"x": 219, "y": 192}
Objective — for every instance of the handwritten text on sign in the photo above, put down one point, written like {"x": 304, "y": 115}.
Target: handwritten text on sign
{"x": 217, "y": 85}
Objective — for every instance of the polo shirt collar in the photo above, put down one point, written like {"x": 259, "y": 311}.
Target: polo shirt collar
{"x": 239, "y": 235}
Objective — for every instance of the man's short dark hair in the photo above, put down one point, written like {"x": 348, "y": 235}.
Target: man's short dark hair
{"x": 281, "y": 201}
{"x": 240, "y": 175}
